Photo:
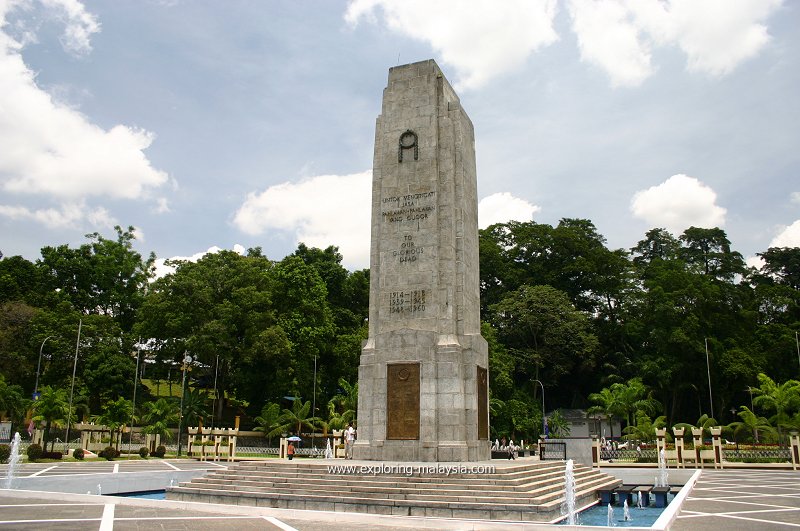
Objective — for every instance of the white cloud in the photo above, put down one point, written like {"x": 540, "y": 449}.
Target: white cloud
{"x": 69, "y": 214}
{"x": 162, "y": 269}
{"x": 481, "y": 39}
{"x": 51, "y": 149}
{"x": 503, "y": 207}
{"x": 607, "y": 37}
{"x": 795, "y": 197}
{"x": 677, "y": 204}
{"x": 79, "y": 25}
{"x": 715, "y": 35}
{"x": 788, "y": 237}
{"x": 320, "y": 211}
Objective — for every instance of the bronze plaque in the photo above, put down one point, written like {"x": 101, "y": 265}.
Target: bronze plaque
{"x": 483, "y": 403}
{"x": 402, "y": 401}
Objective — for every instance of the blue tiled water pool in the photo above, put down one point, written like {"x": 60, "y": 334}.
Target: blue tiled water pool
{"x": 147, "y": 494}
{"x": 597, "y": 515}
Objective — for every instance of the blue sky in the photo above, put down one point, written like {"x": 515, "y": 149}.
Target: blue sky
{"x": 242, "y": 123}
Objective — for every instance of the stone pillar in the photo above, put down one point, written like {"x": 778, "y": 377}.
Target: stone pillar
{"x": 795, "y": 447}
{"x": 679, "y": 446}
{"x": 717, "y": 441}
{"x": 192, "y": 431}
{"x": 661, "y": 440}
{"x": 697, "y": 436}
{"x": 423, "y": 373}
{"x": 595, "y": 450}
{"x": 282, "y": 452}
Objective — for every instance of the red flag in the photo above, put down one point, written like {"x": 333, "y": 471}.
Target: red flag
{"x": 30, "y": 429}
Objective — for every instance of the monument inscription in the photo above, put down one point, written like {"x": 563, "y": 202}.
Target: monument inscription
{"x": 402, "y": 407}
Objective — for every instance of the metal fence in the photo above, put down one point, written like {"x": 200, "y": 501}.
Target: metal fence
{"x": 552, "y": 451}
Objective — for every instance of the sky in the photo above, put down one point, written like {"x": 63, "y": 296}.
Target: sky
{"x": 228, "y": 125}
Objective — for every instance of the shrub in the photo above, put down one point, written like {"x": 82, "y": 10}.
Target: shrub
{"x": 52, "y": 455}
{"x": 5, "y": 453}
{"x": 34, "y": 452}
{"x": 143, "y": 452}
{"x": 160, "y": 451}
{"x": 78, "y": 454}
{"x": 108, "y": 453}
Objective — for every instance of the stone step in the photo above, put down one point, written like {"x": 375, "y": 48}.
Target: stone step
{"x": 423, "y": 482}
{"x": 542, "y": 494}
{"x": 529, "y": 492}
{"x": 343, "y": 483}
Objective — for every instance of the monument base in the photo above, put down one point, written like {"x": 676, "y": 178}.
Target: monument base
{"x": 437, "y": 420}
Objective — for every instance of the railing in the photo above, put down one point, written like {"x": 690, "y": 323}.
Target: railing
{"x": 757, "y": 455}
{"x": 552, "y": 451}
{"x": 647, "y": 455}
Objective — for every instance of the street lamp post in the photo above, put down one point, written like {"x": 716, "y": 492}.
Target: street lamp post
{"x": 187, "y": 359}
{"x": 314, "y": 402}
{"x": 133, "y": 406}
{"x": 544, "y": 417}
{"x": 72, "y": 388}
{"x": 38, "y": 368}
{"x": 708, "y": 367}
{"x": 214, "y": 401}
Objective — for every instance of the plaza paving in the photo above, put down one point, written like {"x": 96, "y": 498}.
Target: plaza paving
{"x": 721, "y": 499}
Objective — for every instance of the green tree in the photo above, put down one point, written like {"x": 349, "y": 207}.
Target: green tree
{"x": 548, "y": 338}
{"x": 783, "y": 399}
{"x": 52, "y": 408}
{"x": 194, "y": 406}
{"x": 297, "y": 418}
{"x": 106, "y": 277}
{"x": 158, "y": 416}
{"x": 645, "y": 428}
{"x": 608, "y": 402}
{"x": 13, "y": 403}
{"x": 268, "y": 421}
{"x": 751, "y": 425}
{"x": 221, "y": 305}
{"x": 115, "y": 416}
{"x": 344, "y": 404}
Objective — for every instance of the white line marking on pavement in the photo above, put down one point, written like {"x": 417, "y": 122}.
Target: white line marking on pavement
{"x": 170, "y": 465}
{"x": 274, "y": 521}
{"x": 217, "y": 464}
{"x": 107, "y": 523}
{"x": 42, "y": 471}
{"x": 116, "y": 468}
{"x": 55, "y": 520}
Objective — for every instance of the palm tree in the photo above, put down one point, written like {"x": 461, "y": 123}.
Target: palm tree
{"x": 634, "y": 396}
{"x": 781, "y": 398}
{"x": 115, "y": 415}
{"x": 194, "y": 406}
{"x": 704, "y": 422}
{"x": 645, "y": 429}
{"x": 297, "y": 418}
{"x": 750, "y": 424}
{"x": 268, "y": 421}
{"x": 608, "y": 403}
{"x": 346, "y": 402}
{"x": 158, "y": 416}
{"x": 52, "y": 407}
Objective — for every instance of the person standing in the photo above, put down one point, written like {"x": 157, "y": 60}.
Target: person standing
{"x": 349, "y": 440}
{"x": 290, "y": 451}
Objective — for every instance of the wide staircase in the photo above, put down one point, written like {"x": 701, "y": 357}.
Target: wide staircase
{"x": 532, "y": 491}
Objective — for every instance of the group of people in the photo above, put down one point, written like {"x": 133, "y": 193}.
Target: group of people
{"x": 503, "y": 446}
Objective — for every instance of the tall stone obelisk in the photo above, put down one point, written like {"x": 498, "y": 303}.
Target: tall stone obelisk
{"x": 423, "y": 377}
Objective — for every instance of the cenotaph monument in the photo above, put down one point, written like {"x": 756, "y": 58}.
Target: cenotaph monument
{"x": 423, "y": 376}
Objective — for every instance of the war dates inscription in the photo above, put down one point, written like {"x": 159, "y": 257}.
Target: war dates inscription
{"x": 407, "y": 302}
